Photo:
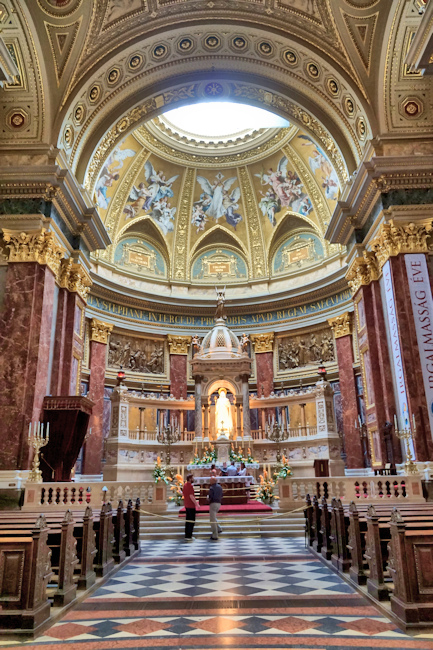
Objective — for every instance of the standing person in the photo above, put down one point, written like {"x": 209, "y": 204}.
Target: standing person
{"x": 215, "y": 497}
{"x": 191, "y": 505}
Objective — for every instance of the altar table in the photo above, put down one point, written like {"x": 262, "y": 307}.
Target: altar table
{"x": 234, "y": 488}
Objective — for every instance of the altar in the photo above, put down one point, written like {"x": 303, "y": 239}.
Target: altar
{"x": 234, "y": 488}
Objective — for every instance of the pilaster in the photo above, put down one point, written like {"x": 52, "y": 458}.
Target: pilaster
{"x": 263, "y": 348}
{"x": 178, "y": 346}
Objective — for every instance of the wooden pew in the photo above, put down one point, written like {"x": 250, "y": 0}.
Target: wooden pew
{"x": 136, "y": 520}
{"x": 325, "y": 530}
{"x": 104, "y": 562}
{"x": 119, "y": 552}
{"x": 24, "y": 577}
{"x": 316, "y": 533}
{"x": 129, "y": 546}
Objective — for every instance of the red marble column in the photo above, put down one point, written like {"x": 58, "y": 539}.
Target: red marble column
{"x": 178, "y": 375}
{"x": 92, "y": 455}
{"x": 73, "y": 344}
{"x": 378, "y": 395}
{"x": 265, "y": 373}
{"x": 349, "y": 402}
{"x": 25, "y": 341}
{"x": 59, "y": 343}
{"x": 411, "y": 360}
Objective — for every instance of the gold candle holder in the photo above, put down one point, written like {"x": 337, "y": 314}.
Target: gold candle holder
{"x": 407, "y": 435}
{"x": 37, "y": 440}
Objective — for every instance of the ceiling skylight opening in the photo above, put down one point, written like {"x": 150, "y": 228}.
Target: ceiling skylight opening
{"x": 222, "y": 119}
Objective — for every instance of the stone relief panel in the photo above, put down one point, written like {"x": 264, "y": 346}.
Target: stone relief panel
{"x": 136, "y": 354}
{"x": 305, "y": 349}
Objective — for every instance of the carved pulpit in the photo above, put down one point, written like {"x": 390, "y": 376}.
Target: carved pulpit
{"x": 69, "y": 418}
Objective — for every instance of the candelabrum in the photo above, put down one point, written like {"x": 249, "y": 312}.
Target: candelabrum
{"x": 167, "y": 436}
{"x": 276, "y": 433}
{"x": 407, "y": 435}
{"x": 37, "y": 439}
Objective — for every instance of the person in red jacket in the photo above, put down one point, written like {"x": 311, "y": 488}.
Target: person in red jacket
{"x": 191, "y": 505}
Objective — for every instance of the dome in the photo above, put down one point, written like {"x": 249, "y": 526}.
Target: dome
{"x": 220, "y": 342}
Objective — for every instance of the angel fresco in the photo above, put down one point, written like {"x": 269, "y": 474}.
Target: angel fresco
{"x": 217, "y": 201}
{"x": 152, "y": 195}
{"x": 110, "y": 175}
{"x": 287, "y": 190}
{"x": 319, "y": 161}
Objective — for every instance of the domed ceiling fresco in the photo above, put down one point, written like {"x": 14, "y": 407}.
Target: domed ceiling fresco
{"x": 240, "y": 209}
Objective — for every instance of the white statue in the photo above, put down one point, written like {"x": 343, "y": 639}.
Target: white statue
{"x": 223, "y": 415}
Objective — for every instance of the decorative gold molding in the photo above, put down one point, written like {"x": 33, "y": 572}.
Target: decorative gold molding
{"x": 341, "y": 325}
{"x": 362, "y": 271}
{"x": 402, "y": 238}
{"x": 75, "y": 278}
{"x": 178, "y": 344}
{"x": 257, "y": 256}
{"x": 99, "y": 331}
{"x": 39, "y": 246}
{"x": 263, "y": 342}
{"x": 179, "y": 269}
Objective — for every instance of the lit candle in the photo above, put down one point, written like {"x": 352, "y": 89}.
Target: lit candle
{"x": 414, "y": 425}
{"x": 395, "y": 422}
{"x": 48, "y": 430}
{"x": 30, "y": 429}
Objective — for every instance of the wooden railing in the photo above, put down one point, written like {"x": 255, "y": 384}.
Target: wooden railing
{"x": 45, "y": 497}
{"x": 348, "y": 488}
{"x": 294, "y": 432}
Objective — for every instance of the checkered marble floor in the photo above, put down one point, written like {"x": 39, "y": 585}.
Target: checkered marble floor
{"x": 258, "y": 593}
{"x": 231, "y": 547}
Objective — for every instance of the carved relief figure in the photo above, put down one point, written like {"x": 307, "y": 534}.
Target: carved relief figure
{"x": 295, "y": 352}
{"x": 136, "y": 354}
{"x": 287, "y": 190}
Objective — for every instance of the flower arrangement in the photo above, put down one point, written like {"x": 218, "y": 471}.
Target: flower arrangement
{"x": 237, "y": 456}
{"x": 159, "y": 472}
{"x": 249, "y": 459}
{"x": 176, "y": 489}
{"x": 196, "y": 460}
{"x": 209, "y": 456}
{"x": 285, "y": 469}
{"x": 265, "y": 492}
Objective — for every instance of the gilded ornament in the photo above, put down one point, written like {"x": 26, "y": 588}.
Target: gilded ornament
{"x": 263, "y": 342}
{"x": 135, "y": 62}
{"x": 254, "y": 223}
{"x": 182, "y": 222}
{"x": 402, "y": 238}
{"x": 363, "y": 271}
{"x": 341, "y": 325}
{"x": 349, "y": 106}
{"x": 100, "y": 331}
{"x": 290, "y": 57}
{"x": 178, "y": 344}
{"x": 38, "y": 246}
{"x": 74, "y": 277}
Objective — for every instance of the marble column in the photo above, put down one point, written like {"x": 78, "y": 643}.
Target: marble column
{"x": 342, "y": 327}
{"x": 92, "y": 453}
{"x": 26, "y": 338}
{"x": 246, "y": 407}
{"x": 197, "y": 409}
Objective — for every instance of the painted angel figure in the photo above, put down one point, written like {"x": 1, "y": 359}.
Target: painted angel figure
{"x": 198, "y": 218}
{"x": 109, "y": 175}
{"x": 159, "y": 187}
{"x": 231, "y": 203}
{"x": 216, "y": 192}
{"x": 319, "y": 161}
{"x": 163, "y": 214}
{"x": 138, "y": 196}
{"x": 269, "y": 205}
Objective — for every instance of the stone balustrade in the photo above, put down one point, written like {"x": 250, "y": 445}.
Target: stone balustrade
{"x": 45, "y": 497}
{"x": 292, "y": 491}
{"x": 297, "y": 433}
{"x": 146, "y": 435}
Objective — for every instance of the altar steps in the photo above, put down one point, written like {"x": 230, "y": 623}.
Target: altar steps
{"x": 291, "y": 525}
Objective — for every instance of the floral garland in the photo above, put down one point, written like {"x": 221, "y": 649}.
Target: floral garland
{"x": 176, "y": 488}
{"x": 285, "y": 469}
{"x": 159, "y": 472}
{"x": 265, "y": 492}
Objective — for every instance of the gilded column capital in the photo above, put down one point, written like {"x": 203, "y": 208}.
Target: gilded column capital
{"x": 341, "y": 325}
{"x": 100, "y": 331}
{"x": 362, "y": 271}
{"x": 75, "y": 278}
{"x": 394, "y": 239}
{"x": 178, "y": 344}
{"x": 39, "y": 246}
{"x": 263, "y": 342}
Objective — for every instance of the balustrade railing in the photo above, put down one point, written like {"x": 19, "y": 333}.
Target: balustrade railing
{"x": 293, "y": 432}
{"x": 147, "y": 435}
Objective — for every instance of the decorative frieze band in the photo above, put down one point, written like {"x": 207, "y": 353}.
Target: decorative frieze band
{"x": 100, "y": 331}
{"x": 263, "y": 342}
{"x": 341, "y": 325}
{"x": 178, "y": 344}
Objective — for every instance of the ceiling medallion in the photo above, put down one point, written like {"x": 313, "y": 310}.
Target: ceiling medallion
{"x": 361, "y": 128}
{"x": 113, "y": 76}
{"x": 290, "y": 57}
{"x": 349, "y": 106}
{"x": 17, "y": 118}
{"x": 212, "y": 42}
{"x": 59, "y": 8}
{"x": 94, "y": 93}
{"x": 411, "y": 107}
{"x": 68, "y": 136}
{"x": 239, "y": 43}
{"x": 213, "y": 89}
{"x": 266, "y": 48}
{"x": 79, "y": 114}
{"x": 135, "y": 62}
{"x": 185, "y": 45}
{"x": 159, "y": 51}
{"x": 333, "y": 87}
{"x": 313, "y": 70}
